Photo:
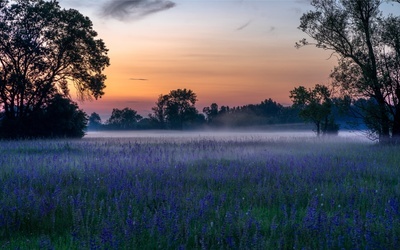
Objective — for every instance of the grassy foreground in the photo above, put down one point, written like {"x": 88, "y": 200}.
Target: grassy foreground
{"x": 244, "y": 192}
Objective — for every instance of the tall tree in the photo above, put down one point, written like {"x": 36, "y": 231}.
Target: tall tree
{"x": 94, "y": 121}
{"x": 176, "y": 109}
{"x": 367, "y": 45}
{"x": 211, "y": 112}
{"x": 180, "y": 107}
{"x": 315, "y": 106}
{"x": 159, "y": 116}
{"x": 43, "y": 48}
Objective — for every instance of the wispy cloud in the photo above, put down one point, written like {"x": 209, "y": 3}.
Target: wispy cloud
{"x": 244, "y": 25}
{"x": 272, "y": 29}
{"x": 138, "y": 79}
{"x": 134, "y": 9}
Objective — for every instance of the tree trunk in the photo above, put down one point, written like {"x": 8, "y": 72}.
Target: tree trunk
{"x": 384, "y": 137}
{"x": 325, "y": 128}
{"x": 396, "y": 125}
{"x": 384, "y": 121}
{"x": 318, "y": 125}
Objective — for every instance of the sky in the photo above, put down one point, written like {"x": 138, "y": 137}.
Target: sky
{"x": 231, "y": 52}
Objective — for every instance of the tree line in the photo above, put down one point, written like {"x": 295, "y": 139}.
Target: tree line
{"x": 177, "y": 110}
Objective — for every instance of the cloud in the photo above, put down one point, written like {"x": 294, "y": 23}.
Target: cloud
{"x": 134, "y": 9}
{"x": 271, "y": 29}
{"x": 138, "y": 79}
{"x": 244, "y": 25}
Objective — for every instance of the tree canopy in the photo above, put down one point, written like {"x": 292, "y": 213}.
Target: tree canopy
{"x": 59, "y": 118}
{"x": 44, "y": 49}
{"x": 94, "y": 121}
{"x": 126, "y": 118}
{"x": 175, "y": 109}
{"x": 367, "y": 44}
{"x": 315, "y": 106}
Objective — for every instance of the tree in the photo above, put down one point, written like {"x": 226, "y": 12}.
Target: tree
{"x": 160, "y": 117}
{"x": 59, "y": 118}
{"x": 269, "y": 107}
{"x": 315, "y": 106}
{"x": 368, "y": 47}
{"x": 211, "y": 112}
{"x": 94, "y": 121}
{"x": 124, "y": 119}
{"x": 42, "y": 49}
{"x": 64, "y": 118}
{"x": 176, "y": 109}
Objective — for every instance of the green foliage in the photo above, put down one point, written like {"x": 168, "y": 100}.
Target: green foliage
{"x": 316, "y": 107}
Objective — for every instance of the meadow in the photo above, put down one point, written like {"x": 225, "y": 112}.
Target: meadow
{"x": 235, "y": 191}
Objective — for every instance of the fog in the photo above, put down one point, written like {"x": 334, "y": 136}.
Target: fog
{"x": 225, "y": 135}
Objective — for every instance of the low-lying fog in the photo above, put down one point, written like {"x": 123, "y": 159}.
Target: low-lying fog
{"x": 354, "y": 135}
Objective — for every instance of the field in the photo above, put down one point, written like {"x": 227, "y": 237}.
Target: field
{"x": 232, "y": 191}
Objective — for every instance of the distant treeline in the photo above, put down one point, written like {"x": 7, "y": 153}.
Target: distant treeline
{"x": 181, "y": 114}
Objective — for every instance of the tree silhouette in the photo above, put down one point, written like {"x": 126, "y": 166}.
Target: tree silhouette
{"x": 176, "y": 109}
{"x": 126, "y": 118}
{"x": 315, "y": 106}
{"x": 94, "y": 121}
{"x": 42, "y": 48}
{"x": 159, "y": 116}
{"x": 211, "y": 112}
{"x": 64, "y": 119}
{"x": 368, "y": 47}
{"x": 59, "y": 118}
{"x": 257, "y": 115}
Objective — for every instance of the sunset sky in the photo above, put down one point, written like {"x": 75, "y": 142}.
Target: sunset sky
{"x": 232, "y": 52}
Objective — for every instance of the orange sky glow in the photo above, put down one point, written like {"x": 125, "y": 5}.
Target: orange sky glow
{"x": 229, "y": 52}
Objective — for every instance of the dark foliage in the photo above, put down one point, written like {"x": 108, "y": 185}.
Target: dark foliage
{"x": 126, "y": 118}
{"x": 367, "y": 44}
{"x": 176, "y": 110}
{"x": 315, "y": 106}
{"x": 59, "y": 118}
{"x": 42, "y": 47}
{"x": 268, "y": 112}
{"x": 180, "y": 113}
{"x": 94, "y": 121}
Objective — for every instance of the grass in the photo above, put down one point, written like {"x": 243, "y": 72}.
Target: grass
{"x": 233, "y": 192}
